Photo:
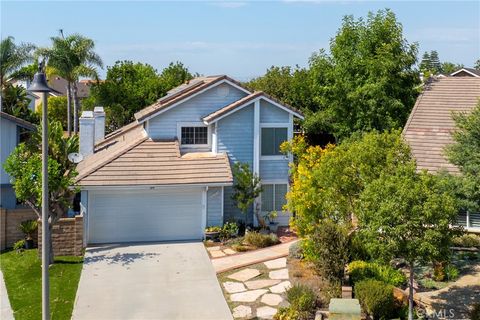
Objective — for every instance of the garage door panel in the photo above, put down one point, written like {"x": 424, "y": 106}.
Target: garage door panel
{"x": 145, "y": 216}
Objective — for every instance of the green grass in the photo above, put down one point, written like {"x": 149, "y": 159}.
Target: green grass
{"x": 23, "y": 278}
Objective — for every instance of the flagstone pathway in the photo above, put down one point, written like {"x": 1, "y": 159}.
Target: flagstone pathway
{"x": 257, "y": 290}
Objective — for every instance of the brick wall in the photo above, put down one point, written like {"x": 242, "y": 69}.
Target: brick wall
{"x": 9, "y": 225}
{"x": 67, "y": 237}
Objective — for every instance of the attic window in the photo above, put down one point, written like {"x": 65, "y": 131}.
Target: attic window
{"x": 197, "y": 135}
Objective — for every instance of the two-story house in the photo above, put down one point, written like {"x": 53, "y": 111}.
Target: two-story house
{"x": 168, "y": 175}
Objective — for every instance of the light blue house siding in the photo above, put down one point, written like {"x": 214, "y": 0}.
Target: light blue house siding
{"x": 214, "y": 207}
{"x": 9, "y": 135}
{"x": 164, "y": 126}
{"x": 272, "y": 114}
{"x": 235, "y": 137}
{"x": 274, "y": 170}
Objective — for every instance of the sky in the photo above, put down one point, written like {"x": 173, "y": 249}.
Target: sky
{"x": 238, "y": 38}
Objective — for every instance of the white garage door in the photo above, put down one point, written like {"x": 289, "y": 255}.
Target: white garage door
{"x": 146, "y": 215}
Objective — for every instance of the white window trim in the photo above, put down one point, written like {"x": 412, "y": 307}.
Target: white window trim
{"x": 274, "y": 182}
{"x": 193, "y": 124}
{"x": 281, "y": 125}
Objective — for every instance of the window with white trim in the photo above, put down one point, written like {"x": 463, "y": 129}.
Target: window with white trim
{"x": 197, "y": 135}
{"x": 272, "y": 138}
{"x": 273, "y": 197}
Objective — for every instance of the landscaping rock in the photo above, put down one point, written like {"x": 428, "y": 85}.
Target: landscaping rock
{"x": 244, "y": 275}
{"x": 259, "y": 284}
{"x": 229, "y": 251}
{"x": 281, "y": 287}
{"x": 217, "y": 248}
{"x": 281, "y": 274}
{"x": 266, "y": 312}
{"x": 234, "y": 287}
{"x": 247, "y": 296}
{"x": 242, "y": 312}
{"x": 276, "y": 264}
{"x": 217, "y": 254}
{"x": 271, "y": 299}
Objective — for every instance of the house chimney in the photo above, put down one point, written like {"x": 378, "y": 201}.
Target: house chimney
{"x": 87, "y": 133}
{"x": 99, "y": 115}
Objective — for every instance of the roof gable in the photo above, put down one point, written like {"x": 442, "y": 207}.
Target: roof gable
{"x": 466, "y": 72}
{"x": 239, "y": 104}
{"x": 185, "y": 92}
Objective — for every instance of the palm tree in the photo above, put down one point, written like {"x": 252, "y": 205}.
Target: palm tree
{"x": 13, "y": 57}
{"x": 72, "y": 57}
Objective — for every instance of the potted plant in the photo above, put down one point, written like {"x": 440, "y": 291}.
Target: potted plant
{"x": 212, "y": 232}
{"x": 29, "y": 227}
{"x": 270, "y": 217}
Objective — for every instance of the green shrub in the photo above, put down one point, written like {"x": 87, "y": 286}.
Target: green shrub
{"x": 376, "y": 298}
{"x": 475, "y": 311}
{"x": 361, "y": 270}
{"x": 327, "y": 248}
{"x": 19, "y": 245}
{"x": 467, "y": 241}
{"x": 229, "y": 230}
{"x": 213, "y": 229}
{"x": 260, "y": 240}
{"x": 357, "y": 249}
{"x": 28, "y": 227}
{"x": 296, "y": 251}
{"x": 303, "y": 302}
{"x": 451, "y": 273}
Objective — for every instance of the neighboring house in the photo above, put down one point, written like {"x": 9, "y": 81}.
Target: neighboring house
{"x": 60, "y": 85}
{"x": 168, "y": 175}
{"x": 428, "y": 129}
{"x": 466, "y": 72}
{"x": 12, "y": 130}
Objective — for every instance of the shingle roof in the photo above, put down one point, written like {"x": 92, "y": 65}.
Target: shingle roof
{"x": 218, "y": 113}
{"x": 20, "y": 122}
{"x": 150, "y": 162}
{"x": 428, "y": 129}
{"x": 181, "y": 92}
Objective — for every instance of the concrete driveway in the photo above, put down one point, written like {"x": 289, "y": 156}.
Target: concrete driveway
{"x": 149, "y": 281}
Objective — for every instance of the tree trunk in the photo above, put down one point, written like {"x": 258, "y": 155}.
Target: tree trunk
{"x": 410, "y": 294}
{"x": 69, "y": 109}
{"x": 75, "y": 109}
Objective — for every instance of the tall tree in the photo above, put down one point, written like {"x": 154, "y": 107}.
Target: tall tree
{"x": 408, "y": 215}
{"x": 24, "y": 165}
{"x": 426, "y": 62}
{"x": 477, "y": 64}
{"x": 72, "y": 57}
{"x": 130, "y": 87}
{"x": 435, "y": 62}
{"x": 450, "y": 67}
{"x": 13, "y": 57}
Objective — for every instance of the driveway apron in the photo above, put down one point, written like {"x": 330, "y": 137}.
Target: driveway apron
{"x": 149, "y": 281}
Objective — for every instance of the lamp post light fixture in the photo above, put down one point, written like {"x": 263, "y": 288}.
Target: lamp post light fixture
{"x": 39, "y": 85}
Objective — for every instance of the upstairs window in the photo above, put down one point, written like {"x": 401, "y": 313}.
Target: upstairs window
{"x": 197, "y": 135}
{"x": 272, "y": 138}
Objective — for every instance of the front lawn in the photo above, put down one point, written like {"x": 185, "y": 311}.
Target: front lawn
{"x": 23, "y": 278}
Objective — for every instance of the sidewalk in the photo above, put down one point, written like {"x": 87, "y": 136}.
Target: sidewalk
{"x": 6, "y": 312}
{"x": 248, "y": 258}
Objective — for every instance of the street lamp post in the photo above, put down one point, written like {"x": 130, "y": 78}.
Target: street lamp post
{"x": 39, "y": 84}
